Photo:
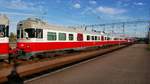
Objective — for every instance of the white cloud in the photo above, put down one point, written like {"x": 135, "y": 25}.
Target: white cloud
{"x": 17, "y": 13}
{"x": 122, "y": 4}
{"x": 110, "y": 10}
{"x": 86, "y": 10}
{"x": 22, "y": 5}
{"x": 92, "y": 2}
{"x": 120, "y": 17}
{"x": 139, "y": 3}
{"x": 28, "y": 7}
{"x": 77, "y": 5}
{"x": 19, "y": 4}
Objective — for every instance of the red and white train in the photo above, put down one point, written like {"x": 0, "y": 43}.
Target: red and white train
{"x": 35, "y": 36}
{"x": 4, "y": 40}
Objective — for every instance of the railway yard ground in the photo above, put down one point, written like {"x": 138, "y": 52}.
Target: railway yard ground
{"x": 129, "y": 65}
{"x": 126, "y": 66}
{"x": 39, "y": 65}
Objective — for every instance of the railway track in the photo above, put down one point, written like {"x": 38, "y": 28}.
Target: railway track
{"x": 33, "y": 70}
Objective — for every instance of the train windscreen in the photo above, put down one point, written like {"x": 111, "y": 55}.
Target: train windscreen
{"x": 29, "y": 33}
{"x": 4, "y": 31}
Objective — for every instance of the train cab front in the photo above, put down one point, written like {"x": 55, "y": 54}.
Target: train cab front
{"x": 24, "y": 39}
{"x": 27, "y": 34}
{"x": 4, "y": 41}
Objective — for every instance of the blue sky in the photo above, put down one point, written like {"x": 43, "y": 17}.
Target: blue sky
{"x": 74, "y": 12}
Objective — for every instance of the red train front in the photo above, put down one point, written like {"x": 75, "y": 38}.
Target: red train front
{"x": 4, "y": 40}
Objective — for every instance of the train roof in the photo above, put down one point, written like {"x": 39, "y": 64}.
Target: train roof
{"x": 38, "y": 23}
{"x": 4, "y": 19}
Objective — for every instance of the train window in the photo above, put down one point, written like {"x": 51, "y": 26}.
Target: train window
{"x": 7, "y": 31}
{"x": 108, "y": 38}
{"x": 70, "y": 36}
{"x": 39, "y": 33}
{"x": 105, "y": 38}
{"x": 29, "y": 33}
{"x": 2, "y": 30}
{"x": 115, "y": 38}
{"x": 88, "y": 37}
{"x": 21, "y": 33}
{"x": 79, "y": 37}
{"x": 99, "y": 37}
{"x": 102, "y": 38}
{"x": 92, "y": 37}
{"x": 62, "y": 36}
{"x": 51, "y": 36}
{"x": 18, "y": 33}
{"x": 95, "y": 37}
{"x": 126, "y": 39}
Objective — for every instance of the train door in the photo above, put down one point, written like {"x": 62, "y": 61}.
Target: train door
{"x": 80, "y": 40}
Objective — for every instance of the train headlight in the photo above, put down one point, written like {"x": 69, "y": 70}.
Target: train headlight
{"x": 28, "y": 46}
{"x": 22, "y": 45}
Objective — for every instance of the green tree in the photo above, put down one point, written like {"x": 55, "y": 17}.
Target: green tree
{"x": 12, "y": 37}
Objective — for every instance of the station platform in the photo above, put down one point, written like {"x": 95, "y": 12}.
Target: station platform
{"x": 130, "y": 65}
